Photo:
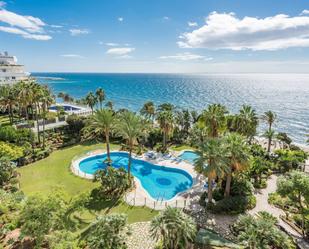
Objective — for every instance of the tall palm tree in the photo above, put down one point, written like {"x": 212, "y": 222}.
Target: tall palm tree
{"x": 91, "y": 100}
{"x": 238, "y": 154}
{"x": 148, "y": 110}
{"x": 38, "y": 94}
{"x": 176, "y": 229}
{"x": 269, "y": 134}
{"x": 102, "y": 123}
{"x": 166, "y": 121}
{"x": 214, "y": 119}
{"x": 8, "y": 100}
{"x": 46, "y": 100}
{"x": 25, "y": 95}
{"x": 270, "y": 118}
{"x": 100, "y": 94}
{"x": 212, "y": 161}
{"x": 130, "y": 126}
{"x": 246, "y": 122}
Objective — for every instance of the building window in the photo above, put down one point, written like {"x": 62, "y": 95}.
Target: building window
{"x": 3, "y": 70}
{"x": 13, "y": 78}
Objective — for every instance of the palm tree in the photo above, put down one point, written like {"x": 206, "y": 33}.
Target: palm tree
{"x": 212, "y": 161}
{"x": 100, "y": 96}
{"x": 24, "y": 95}
{"x": 46, "y": 100}
{"x": 246, "y": 122}
{"x": 148, "y": 110}
{"x": 101, "y": 123}
{"x": 175, "y": 228}
{"x": 91, "y": 100}
{"x": 269, "y": 135}
{"x": 214, "y": 119}
{"x": 166, "y": 121}
{"x": 8, "y": 100}
{"x": 269, "y": 117}
{"x": 130, "y": 127}
{"x": 110, "y": 105}
{"x": 238, "y": 154}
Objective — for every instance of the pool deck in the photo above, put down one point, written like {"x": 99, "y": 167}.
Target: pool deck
{"x": 140, "y": 197}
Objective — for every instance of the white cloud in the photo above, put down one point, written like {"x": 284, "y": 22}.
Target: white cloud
{"x": 25, "y": 34}
{"x": 166, "y": 18}
{"x": 76, "y": 32}
{"x": 56, "y": 26}
{"x": 186, "y": 57}
{"x": 72, "y": 56}
{"x": 2, "y": 4}
{"x": 305, "y": 12}
{"x": 120, "y": 19}
{"x": 29, "y": 23}
{"x": 226, "y": 31}
{"x": 111, "y": 44}
{"x": 120, "y": 51}
{"x": 192, "y": 24}
{"x": 28, "y": 27}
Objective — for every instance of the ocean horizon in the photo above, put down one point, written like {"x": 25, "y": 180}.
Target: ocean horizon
{"x": 286, "y": 94}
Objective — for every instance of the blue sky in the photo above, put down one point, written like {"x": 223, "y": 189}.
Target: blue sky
{"x": 199, "y": 36}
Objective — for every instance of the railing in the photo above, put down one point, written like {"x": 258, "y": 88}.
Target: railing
{"x": 156, "y": 204}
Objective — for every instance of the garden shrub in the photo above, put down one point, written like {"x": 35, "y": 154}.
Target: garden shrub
{"x": 114, "y": 182}
{"x": 234, "y": 204}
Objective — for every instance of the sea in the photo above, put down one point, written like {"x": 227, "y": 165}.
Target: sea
{"x": 285, "y": 94}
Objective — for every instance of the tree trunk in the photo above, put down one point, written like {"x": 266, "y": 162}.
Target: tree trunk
{"x": 228, "y": 185}
{"x": 209, "y": 190}
{"x": 130, "y": 160}
{"x": 37, "y": 124}
{"x": 164, "y": 140}
{"x": 269, "y": 144}
{"x": 107, "y": 147}
{"x": 43, "y": 132}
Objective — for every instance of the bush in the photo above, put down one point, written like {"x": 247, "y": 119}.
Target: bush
{"x": 260, "y": 185}
{"x": 114, "y": 182}
{"x": 234, "y": 204}
{"x": 12, "y": 135}
{"x": 75, "y": 124}
{"x": 9, "y": 151}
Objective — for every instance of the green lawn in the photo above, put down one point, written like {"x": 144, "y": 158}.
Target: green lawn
{"x": 53, "y": 172}
{"x": 182, "y": 147}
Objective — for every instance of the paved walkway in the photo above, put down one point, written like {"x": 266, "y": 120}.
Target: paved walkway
{"x": 140, "y": 237}
{"x": 263, "y": 205}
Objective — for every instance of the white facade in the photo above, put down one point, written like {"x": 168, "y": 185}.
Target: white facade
{"x": 10, "y": 71}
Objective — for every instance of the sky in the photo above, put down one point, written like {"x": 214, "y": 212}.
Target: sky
{"x": 162, "y": 36}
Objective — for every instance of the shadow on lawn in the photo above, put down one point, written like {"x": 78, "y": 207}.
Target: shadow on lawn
{"x": 98, "y": 203}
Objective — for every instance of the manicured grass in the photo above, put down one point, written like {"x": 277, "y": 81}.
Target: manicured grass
{"x": 53, "y": 172}
{"x": 181, "y": 147}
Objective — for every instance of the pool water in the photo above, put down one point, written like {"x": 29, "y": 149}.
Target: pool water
{"x": 65, "y": 108}
{"x": 189, "y": 156}
{"x": 161, "y": 183}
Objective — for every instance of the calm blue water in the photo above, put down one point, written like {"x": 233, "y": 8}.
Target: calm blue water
{"x": 159, "y": 182}
{"x": 285, "y": 94}
{"x": 189, "y": 156}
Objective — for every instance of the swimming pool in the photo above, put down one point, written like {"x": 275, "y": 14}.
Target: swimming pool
{"x": 160, "y": 182}
{"x": 65, "y": 108}
{"x": 189, "y": 156}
